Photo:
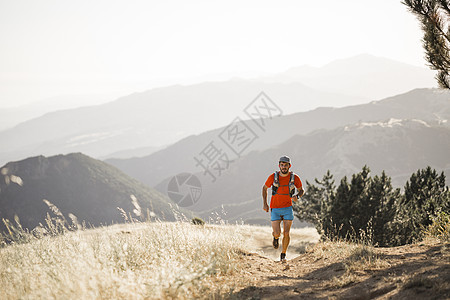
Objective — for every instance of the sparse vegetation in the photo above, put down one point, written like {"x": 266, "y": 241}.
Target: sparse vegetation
{"x": 353, "y": 256}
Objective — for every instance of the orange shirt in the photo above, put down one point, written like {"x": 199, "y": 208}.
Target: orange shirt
{"x": 279, "y": 200}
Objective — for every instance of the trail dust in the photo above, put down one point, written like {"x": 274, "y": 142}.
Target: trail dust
{"x": 338, "y": 270}
{"x": 259, "y": 240}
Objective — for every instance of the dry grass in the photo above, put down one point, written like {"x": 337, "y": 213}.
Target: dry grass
{"x": 354, "y": 258}
{"x": 145, "y": 260}
{"x": 133, "y": 261}
{"x": 439, "y": 228}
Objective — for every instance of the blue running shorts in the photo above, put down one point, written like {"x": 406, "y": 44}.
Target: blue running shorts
{"x": 284, "y": 213}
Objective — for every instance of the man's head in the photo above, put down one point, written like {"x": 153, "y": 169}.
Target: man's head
{"x": 284, "y": 163}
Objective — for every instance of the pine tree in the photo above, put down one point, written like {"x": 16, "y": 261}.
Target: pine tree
{"x": 328, "y": 196}
{"x": 370, "y": 208}
{"x": 434, "y": 16}
{"x": 362, "y": 208}
{"x": 383, "y": 197}
{"x": 340, "y": 211}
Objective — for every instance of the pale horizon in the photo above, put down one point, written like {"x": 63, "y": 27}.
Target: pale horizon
{"x": 51, "y": 49}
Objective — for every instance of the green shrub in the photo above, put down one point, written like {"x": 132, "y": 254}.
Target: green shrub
{"x": 439, "y": 228}
{"x": 369, "y": 208}
{"x": 198, "y": 221}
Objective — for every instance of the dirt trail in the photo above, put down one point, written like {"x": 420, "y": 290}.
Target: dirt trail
{"x": 259, "y": 240}
{"x": 420, "y": 271}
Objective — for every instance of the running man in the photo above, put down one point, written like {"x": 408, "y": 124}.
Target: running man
{"x": 283, "y": 185}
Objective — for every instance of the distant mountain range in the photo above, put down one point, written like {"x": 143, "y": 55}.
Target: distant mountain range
{"x": 87, "y": 188}
{"x": 12, "y": 116}
{"x": 429, "y": 105}
{"x": 364, "y": 75}
{"x": 154, "y": 118}
{"x": 162, "y": 116}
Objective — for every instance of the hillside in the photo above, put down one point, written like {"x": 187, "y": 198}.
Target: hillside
{"x": 87, "y": 188}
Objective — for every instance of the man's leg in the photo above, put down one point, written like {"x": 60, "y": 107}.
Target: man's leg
{"x": 276, "y": 232}
{"x": 276, "y": 228}
{"x": 286, "y": 237}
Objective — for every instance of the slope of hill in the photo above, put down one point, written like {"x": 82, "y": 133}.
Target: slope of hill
{"x": 87, "y": 188}
{"x": 430, "y": 105}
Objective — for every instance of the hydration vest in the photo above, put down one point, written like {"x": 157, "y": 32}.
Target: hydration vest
{"x": 276, "y": 184}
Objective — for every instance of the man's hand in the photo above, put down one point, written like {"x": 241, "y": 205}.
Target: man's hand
{"x": 297, "y": 196}
{"x": 264, "y": 196}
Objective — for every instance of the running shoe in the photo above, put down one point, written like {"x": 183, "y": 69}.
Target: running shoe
{"x": 283, "y": 257}
{"x": 275, "y": 243}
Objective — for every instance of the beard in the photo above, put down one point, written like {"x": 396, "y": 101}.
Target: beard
{"x": 284, "y": 170}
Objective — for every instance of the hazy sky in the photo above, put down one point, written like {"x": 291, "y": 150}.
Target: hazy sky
{"x": 61, "y": 47}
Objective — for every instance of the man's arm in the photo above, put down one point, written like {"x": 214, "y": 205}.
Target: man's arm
{"x": 300, "y": 190}
{"x": 264, "y": 196}
{"x": 300, "y": 193}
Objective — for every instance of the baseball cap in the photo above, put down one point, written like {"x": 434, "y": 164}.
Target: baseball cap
{"x": 285, "y": 159}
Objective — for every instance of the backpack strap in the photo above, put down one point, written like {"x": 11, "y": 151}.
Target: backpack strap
{"x": 276, "y": 184}
{"x": 292, "y": 184}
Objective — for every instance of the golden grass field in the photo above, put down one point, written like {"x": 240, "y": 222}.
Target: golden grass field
{"x": 133, "y": 261}
{"x": 158, "y": 260}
